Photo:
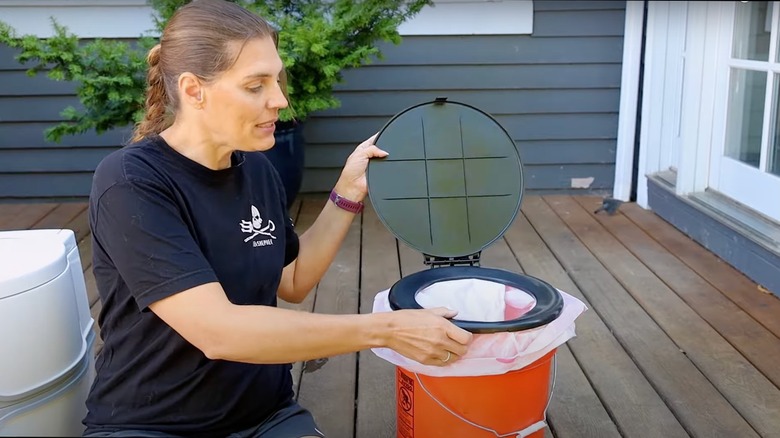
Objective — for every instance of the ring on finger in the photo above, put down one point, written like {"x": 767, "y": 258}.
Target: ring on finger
{"x": 449, "y": 355}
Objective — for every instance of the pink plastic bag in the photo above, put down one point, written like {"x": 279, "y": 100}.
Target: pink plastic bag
{"x": 490, "y": 353}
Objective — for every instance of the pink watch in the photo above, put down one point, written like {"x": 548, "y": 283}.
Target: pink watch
{"x": 346, "y": 204}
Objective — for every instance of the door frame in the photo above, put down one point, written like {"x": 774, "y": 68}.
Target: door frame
{"x": 667, "y": 56}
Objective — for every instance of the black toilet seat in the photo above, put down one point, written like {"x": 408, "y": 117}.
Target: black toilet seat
{"x": 549, "y": 302}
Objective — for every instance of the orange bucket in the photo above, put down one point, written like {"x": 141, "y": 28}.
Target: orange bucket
{"x": 473, "y": 406}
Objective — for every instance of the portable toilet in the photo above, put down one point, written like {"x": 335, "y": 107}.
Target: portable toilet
{"x": 461, "y": 190}
{"x": 46, "y": 350}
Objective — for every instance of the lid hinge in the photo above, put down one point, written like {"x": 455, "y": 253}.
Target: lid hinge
{"x": 436, "y": 262}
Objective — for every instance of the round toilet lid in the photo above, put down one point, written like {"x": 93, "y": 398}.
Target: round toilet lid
{"x": 26, "y": 263}
{"x": 453, "y": 181}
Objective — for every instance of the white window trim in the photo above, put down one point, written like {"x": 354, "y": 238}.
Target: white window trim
{"x": 133, "y": 18}
{"x": 700, "y": 95}
{"x": 86, "y": 18}
{"x": 70, "y": 3}
{"x": 472, "y": 17}
{"x": 701, "y": 90}
{"x": 723, "y": 48}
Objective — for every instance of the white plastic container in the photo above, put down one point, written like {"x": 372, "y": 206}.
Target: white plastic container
{"x": 46, "y": 361}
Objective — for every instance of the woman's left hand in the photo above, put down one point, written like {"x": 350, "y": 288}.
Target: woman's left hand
{"x": 352, "y": 183}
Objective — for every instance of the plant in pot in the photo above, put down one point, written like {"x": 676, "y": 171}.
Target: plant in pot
{"x": 317, "y": 40}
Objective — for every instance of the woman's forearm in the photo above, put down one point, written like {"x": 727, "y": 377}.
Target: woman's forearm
{"x": 258, "y": 334}
{"x": 205, "y": 317}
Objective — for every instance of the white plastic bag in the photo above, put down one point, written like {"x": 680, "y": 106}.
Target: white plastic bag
{"x": 489, "y": 353}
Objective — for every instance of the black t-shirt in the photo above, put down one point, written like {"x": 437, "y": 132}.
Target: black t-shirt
{"x": 162, "y": 224}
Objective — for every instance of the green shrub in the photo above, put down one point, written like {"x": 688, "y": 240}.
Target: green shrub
{"x": 110, "y": 77}
{"x": 317, "y": 41}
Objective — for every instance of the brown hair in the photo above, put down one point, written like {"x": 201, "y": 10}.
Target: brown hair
{"x": 197, "y": 39}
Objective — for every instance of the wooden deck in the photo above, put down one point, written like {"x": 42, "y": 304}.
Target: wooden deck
{"x": 674, "y": 342}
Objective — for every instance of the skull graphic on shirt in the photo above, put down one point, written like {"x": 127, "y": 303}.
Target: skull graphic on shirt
{"x": 255, "y": 226}
{"x": 257, "y": 221}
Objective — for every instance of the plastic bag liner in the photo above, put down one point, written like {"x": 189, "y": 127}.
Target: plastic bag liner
{"x": 489, "y": 353}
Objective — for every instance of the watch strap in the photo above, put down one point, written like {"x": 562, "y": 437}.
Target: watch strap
{"x": 346, "y": 204}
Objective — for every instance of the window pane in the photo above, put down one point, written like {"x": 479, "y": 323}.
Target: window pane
{"x": 745, "y": 116}
{"x": 752, "y": 27}
{"x": 773, "y": 163}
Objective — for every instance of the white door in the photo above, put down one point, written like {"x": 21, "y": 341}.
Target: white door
{"x": 745, "y": 160}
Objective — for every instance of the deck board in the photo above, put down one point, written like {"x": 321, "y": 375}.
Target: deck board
{"x": 21, "y": 216}
{"x": 645, "y": 344}
{"x": 763, "y": 307}
{"x": 751, "y": 339}
{"x": 79, "y": 224}
{"x": 601, "y": 359}
{"x": 701, "y": 360}
{"x": 376, "y": 409}
{"x": 674, "y": 342}
{"x": 741, "y": 401}
{"x": 305, "y": 214}
{"x": 328, "y": 385}
{"x": 59, "y": 216}
{"x": 499, "y": 255}
{"x": 569, "y": 383}
{"x": 572, "y": 389}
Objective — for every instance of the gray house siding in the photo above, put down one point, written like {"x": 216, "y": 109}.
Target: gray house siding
{"x": 556, "y": 92}
{"x": 30, "y": 166}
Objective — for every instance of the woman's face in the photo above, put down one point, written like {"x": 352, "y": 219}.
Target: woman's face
{"x": 241, "y": 106}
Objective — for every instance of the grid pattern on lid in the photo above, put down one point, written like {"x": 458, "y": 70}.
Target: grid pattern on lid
{"x": 452, "y": 183}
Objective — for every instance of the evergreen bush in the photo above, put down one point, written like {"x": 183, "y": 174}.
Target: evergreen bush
{"x": 318, "y": 39}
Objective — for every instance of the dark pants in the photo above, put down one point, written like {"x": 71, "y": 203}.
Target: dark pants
{"x": 292, "y": 421}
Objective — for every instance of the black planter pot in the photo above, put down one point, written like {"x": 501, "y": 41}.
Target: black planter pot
{"x": 287, "y": 157}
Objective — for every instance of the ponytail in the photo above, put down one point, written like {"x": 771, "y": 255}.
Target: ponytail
{"x": 155, "y": 120}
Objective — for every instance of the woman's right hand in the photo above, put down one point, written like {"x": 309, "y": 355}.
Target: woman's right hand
{"x": 427, "y": 336}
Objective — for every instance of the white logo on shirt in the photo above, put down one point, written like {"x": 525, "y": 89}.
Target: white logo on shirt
{"x": 255, "y": 228}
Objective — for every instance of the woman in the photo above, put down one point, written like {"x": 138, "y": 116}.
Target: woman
{"x": 192, "y": 247}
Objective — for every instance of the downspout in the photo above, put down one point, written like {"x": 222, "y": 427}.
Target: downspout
{"x": 630, "y": 101}
{"x": 640, "y": 93}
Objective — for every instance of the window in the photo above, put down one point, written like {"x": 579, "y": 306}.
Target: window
{"x": 132, "y": 18}
{"x": 472, "y": 17}
{"x": 86, "y": 18}
{"x": 752, "y": 124}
